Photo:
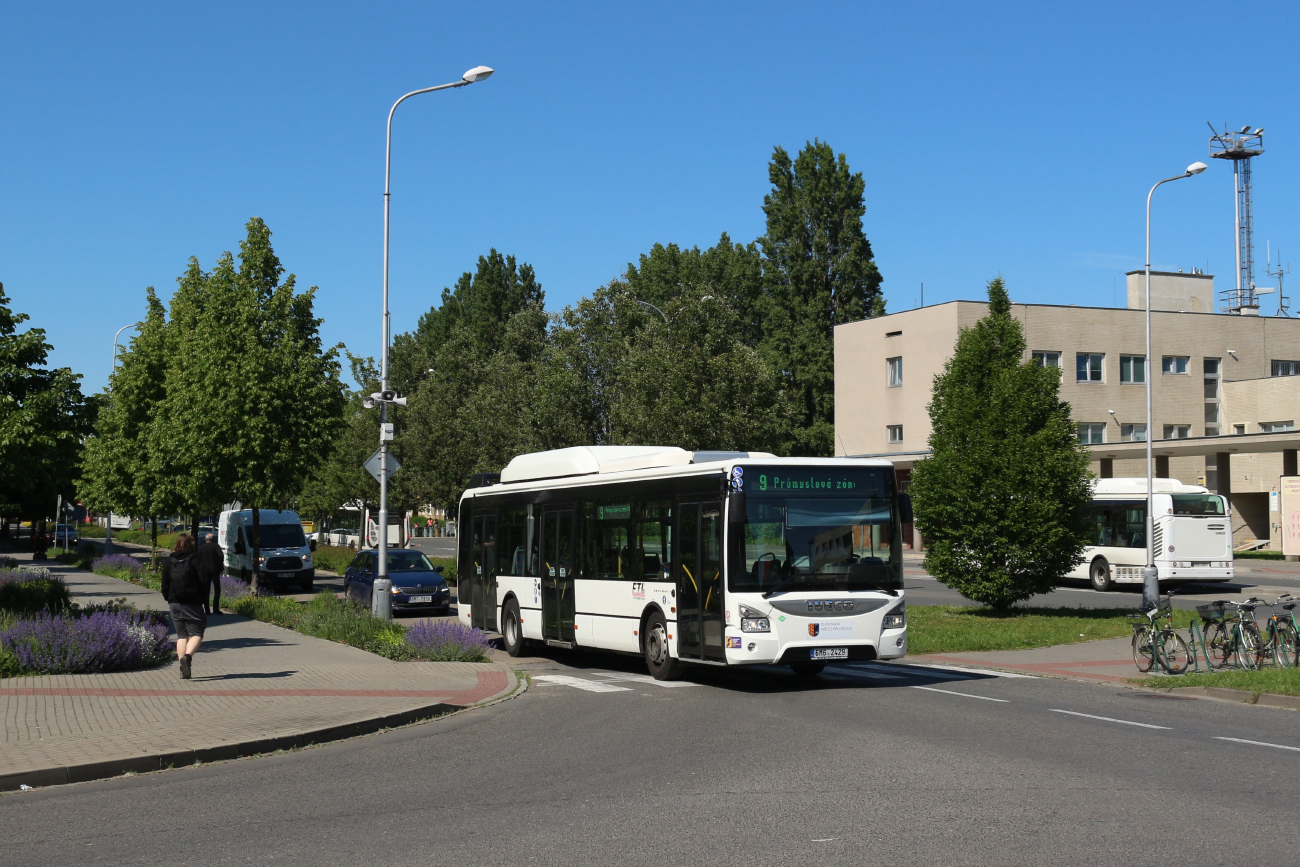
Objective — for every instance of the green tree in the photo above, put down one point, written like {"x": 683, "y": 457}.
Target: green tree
{"x": 121, "y": 473}
{"x": 1002, "y": 499}
{"x": 342, "y": 478}
{"x": 818, "y": 272}
{"x": 43, "y": 420}
{"x": 254, "y": 401}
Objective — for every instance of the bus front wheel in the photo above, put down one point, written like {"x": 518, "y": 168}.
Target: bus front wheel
{"x": 662, "y": 664}
{"x": 511, "y": 629}
{"x": 1099, "y": 575}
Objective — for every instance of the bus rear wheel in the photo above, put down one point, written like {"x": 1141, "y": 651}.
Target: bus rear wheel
{"x": 512, "y": 631}
{"x": 1099, "y": 575}
{"x": 662, "y": 664}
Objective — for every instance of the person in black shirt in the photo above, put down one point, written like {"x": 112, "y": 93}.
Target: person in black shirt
{"x": 211, "y": 562}
{"x": 183, "y": 589}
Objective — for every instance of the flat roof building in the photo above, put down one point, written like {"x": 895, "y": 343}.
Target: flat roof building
{"x": 1226, "y": 388}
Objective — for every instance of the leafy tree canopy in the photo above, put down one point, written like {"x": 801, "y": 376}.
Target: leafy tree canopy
{"x": 1002, "y": 499}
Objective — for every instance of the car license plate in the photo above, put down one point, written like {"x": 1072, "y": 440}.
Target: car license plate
{"x": 416, "y": 600}
{"x": 284, "y": 575}
{"x": 829, "y": 653}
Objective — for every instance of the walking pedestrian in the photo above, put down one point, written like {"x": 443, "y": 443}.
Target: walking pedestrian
{"x": 183, "y": 589}
{"x": 212, "y": 562}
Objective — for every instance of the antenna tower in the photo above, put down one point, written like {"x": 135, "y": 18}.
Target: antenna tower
{"x": 1239, "y": 147}
{"x": 1283, "y": 302}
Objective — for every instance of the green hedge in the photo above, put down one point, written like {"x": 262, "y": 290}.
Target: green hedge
{"x": 1258, "y": 555}
{"x": 333, "y": 558}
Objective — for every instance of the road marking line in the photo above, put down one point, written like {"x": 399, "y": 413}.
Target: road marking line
{"x": 1260, "y": 744}
{"x": 579, "y": 683}
{"x": 1109, "y": 719}
{"x": 962, "y": 694}
{"x": 989, "y": 671}
{"x": 641, "y": 678}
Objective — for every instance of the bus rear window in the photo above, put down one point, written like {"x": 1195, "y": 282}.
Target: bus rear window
{"x": 1198, "y": 504}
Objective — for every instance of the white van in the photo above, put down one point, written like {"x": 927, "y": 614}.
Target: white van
{"x": 285, "y": 552}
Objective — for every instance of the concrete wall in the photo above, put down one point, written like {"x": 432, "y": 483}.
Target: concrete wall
{"x": 1177, "y": 292}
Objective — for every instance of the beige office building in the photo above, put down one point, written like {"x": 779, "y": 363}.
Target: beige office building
{"x": 1226, "y": 388}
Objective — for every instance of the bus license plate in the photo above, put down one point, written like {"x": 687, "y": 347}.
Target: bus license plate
{"x": 416, "y": 600}
{"x": 829, "y": 653}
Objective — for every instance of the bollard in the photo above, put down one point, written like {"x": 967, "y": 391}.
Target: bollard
{"x": 381, "y": 599}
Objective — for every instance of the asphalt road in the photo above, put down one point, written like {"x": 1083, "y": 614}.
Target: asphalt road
{"x": 597, "y": 765}
{"x": 1267, "y": 578}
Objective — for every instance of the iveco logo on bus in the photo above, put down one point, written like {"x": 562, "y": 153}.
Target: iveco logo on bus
{"x": 817, "y": 606}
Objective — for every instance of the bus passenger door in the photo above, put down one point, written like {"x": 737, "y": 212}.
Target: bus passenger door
{"x": 483, "y": 583}
{"x": 699, "y": 582}
{"x": 558, "y": 554}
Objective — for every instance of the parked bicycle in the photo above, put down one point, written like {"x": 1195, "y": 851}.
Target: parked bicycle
{"x": 1156, "y": 643}
{"x": 1281, "y": 640}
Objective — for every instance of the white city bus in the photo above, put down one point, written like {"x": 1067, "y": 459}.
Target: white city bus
{"x": 1192, "y": 535}
{"x": 721, "y": 558}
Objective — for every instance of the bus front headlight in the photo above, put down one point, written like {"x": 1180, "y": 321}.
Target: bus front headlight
{"x": 895, "y": 619}
{"x": 753, "y": 621}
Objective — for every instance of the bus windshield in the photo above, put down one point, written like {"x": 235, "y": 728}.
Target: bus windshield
{"x": 814, "y": 528}
{"x": 1198, "y": 504}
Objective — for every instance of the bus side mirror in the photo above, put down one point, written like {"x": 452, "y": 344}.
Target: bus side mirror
{"x": 905, "y": 509}
{"x": 736, "y": 507}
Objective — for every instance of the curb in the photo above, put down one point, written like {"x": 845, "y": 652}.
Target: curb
{"x": 87, "y": 771}
{"x": 1239, "y": 696}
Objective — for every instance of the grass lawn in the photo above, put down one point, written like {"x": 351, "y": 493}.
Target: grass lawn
{"x": 1285, "y": 681}
{"x": 952, "y": 628}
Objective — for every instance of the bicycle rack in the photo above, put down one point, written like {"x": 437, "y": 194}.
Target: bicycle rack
{"x": 1197, "y": 636}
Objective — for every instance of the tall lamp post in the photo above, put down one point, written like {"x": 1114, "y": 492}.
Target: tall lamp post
{"x": 108, "y": 530}
{"x": 1150, "y": 577}
{"x": 381, "y": 597}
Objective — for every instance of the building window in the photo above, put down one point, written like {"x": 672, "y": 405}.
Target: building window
{"x": 1133, "y": 433}
{"x": 1133, "y": 368}
{"x": 1090, "y": 432}
{"x": 1047, "y": 359}
{"x": 895, "y": 371}
{"x": 1276, "y": 426}
{"x": 1286, "y": 368}
{"x": 895, "y": 433}
{"x": 1238, "y": 428}
{"x": 1088, "y": 366}
{"x": 1176, "y": 364}
{"x": 1177, "y": 431}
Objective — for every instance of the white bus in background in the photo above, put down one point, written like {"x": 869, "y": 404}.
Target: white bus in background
{"x": 713, "y": 558}
{"x": 1192, "y": 536}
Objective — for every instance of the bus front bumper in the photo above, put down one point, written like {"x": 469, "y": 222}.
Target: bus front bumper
{"x": 767, "y": 649}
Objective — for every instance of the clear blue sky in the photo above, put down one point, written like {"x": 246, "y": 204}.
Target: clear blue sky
{"x": 1012, "y": 138}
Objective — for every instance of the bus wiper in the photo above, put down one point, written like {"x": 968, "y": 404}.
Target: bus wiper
{"x": 778, "y": 585}
{"x": 784, "y": 581}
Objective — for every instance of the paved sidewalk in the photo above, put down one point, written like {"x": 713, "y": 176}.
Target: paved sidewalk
{"x": 1108, "y": 660}
{"x": 256, "y": 688}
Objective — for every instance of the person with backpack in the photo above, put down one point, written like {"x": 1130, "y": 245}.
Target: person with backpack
{"x": 183, "y": 588}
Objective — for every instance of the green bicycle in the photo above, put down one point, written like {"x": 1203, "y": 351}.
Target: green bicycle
{"x": 1160, "y": 644}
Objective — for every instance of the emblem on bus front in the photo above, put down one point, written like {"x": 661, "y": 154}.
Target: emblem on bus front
{"x": 813, "y": 629}
{"x": 837, "y": 605}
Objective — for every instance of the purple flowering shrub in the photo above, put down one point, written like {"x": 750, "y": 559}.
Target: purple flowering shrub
{"x": 232, "y": 588}
{"x": 446, "y": 641}
{"x": 118, "y": 566}
{"x": 29, "y": 590}
{"x": 100, "y": 642}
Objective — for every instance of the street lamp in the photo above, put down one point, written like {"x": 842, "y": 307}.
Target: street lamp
{"x": 381, "y": 598}
{"x": 1150, "y": 577}
{"x": 108, "y": 530}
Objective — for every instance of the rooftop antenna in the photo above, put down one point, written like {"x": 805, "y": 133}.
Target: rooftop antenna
{"x": 1239, "y": 146}
{"x": 1283, "y": 302}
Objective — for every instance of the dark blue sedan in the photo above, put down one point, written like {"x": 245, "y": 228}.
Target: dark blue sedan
{"x": 418, "y": 585}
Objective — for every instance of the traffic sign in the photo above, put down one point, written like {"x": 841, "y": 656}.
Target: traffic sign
{"x": 372, "y": 465}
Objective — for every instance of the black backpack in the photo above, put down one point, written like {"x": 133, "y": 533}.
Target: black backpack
{"x": 185, "y": 583}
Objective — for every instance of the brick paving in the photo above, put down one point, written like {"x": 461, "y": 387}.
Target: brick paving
{"x": 256, "y": 687}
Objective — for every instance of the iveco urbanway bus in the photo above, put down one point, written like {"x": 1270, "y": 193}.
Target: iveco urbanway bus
{"x": 716, "y": 558}
{"x": 1192, "y": 537}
